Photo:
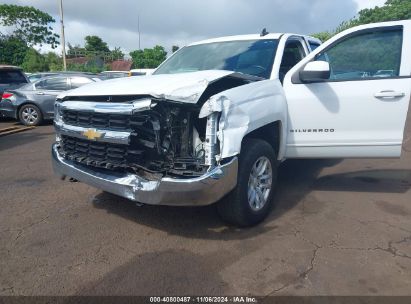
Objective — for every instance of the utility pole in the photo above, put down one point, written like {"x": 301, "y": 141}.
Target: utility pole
{"x": 138, "y": 28}
{"x": 63, "y": 39}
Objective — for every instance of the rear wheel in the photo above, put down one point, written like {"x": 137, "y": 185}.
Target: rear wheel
{"x": 30, "y": 115}
{"x": 251, "y": 201}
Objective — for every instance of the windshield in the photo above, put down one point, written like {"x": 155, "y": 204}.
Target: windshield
{"x": 254, "y": 57}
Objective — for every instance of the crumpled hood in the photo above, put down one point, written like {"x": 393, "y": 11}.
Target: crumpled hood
{"x": 183, "y": 87}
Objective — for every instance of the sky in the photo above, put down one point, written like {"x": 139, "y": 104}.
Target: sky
{"x": 179, "y": 22}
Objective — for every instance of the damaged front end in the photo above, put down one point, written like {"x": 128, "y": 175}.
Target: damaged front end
{"x": 156, "y": 140}
{"x": 147, "y": 148}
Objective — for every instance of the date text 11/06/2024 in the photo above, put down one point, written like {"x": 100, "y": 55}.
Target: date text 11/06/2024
{"x": 203, "y": 299}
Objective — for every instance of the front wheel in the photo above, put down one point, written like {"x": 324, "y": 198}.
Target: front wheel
{"x": 251, "y": 201}
{"x": 30, "y": 115}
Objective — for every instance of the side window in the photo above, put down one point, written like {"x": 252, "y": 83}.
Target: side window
{"x": 53, "y": 84}
{"x": 293, "y": 53}
{"x": 313, "y": 45}
{"x": 368, "y": 55}
{"x": 40, "y": 85}
{"x": 12, "y": 76}
{"x": 79, "y": 81}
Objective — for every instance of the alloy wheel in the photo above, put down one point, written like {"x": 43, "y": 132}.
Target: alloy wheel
{"x": 259, "y": 183}
{"x": 30, "y": 115}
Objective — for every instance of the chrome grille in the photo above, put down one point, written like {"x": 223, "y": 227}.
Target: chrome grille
{"x": 97, "y": 153}
{"x": 116, "y": 122}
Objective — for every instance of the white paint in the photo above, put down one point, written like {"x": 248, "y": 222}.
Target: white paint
{"x": 317, "y": 66}
{"x": 184, "y": 87}
{"x": 363, "y": 124}
{"x": 245, "y": 109}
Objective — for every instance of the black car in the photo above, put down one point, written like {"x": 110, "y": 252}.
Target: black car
{"x": 34, "y": 102}
{"x": 11, "y": 77}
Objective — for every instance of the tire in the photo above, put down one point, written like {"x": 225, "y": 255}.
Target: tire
{"x": 237, "y": 207}
{"x": 30, "y": 115}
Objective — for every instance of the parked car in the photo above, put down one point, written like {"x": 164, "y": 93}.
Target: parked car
{"x": 140, "y": 72}
{"x": 11, "y": 77}
{"x": 34, "y": 102}
{"x": 114, "y": 74}
{"x": 36, "y": 76}
{"x": 216, "y": 119}
{"x": 384, "y": 73}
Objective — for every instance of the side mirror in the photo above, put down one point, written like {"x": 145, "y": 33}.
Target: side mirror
{"x": 315, "y": 71}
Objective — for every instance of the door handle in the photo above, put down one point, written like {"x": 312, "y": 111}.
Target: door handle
{"x": 389, "y": 94}
{"x": 40, "y": 93}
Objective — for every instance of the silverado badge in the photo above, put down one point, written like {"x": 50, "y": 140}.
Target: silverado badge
{"x": 92, "y": 134}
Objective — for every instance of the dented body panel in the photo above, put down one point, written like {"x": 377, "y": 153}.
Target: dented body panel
{"x": 247, "y": 108}
{"x": 184, "y": 87}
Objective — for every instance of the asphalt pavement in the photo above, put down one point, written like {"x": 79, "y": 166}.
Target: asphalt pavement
{"x": 340, "y": 227}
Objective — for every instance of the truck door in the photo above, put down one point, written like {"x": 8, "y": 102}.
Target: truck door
{"x": 350, "y": 97}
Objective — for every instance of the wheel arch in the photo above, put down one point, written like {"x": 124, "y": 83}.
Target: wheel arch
{"x": 271, "y": 133}
{"x": 27, "y": 102}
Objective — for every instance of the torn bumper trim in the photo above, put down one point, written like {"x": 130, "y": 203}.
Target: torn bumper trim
{"x": 199, "y": 191}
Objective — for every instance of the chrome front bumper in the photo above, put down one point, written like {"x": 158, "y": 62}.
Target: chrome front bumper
{"x": 199, "y": 191}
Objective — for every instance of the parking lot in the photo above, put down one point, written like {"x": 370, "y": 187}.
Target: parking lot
{"x": 340, "y": 227}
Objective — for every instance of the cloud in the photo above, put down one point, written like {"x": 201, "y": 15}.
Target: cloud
{"x": 179, "y": 22}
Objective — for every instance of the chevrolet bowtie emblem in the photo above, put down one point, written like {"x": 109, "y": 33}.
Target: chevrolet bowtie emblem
{"x": 92, "y": 134}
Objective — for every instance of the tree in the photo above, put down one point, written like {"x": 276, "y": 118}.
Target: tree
{"x": 392, "y": 10}
{"x": 175, "y": 48}
{"x": 13, "y": 50}
{"x": 117, "y": 54}
{"x": 95, "y": 44}
{"x": 53, "y": 62}
{"x": 323, "y": 36}
{"x": 92, "y": 68}
{"x": 29, "y": 24}
{"x": 75, "y": 50}
{"x": 137, "y": 57}
{"x": 34, "y": 61}
{"x": 149, "y": 58}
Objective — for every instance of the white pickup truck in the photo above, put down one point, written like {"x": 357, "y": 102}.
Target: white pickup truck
{"x": 214, "y": 120}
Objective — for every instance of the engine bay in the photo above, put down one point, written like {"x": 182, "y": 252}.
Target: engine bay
{"x": 171, "y": 140}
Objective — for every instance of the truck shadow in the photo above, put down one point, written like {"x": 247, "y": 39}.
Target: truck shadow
{"x": 172, "y": 271}
{"x": 375, "y": 181}
{"x": 296, "y": 178}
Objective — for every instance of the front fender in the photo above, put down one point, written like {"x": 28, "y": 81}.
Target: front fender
{"x": 245, "y": 109}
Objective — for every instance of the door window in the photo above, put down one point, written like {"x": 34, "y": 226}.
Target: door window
{"x": 374, "y": 54}
{"x": 293, "y": 53}
{"x": 314, "y": 45}
{"x": 53, "y": 84}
